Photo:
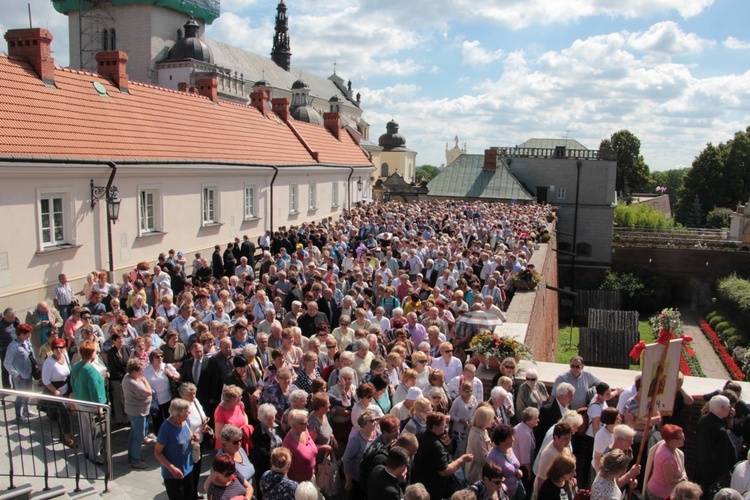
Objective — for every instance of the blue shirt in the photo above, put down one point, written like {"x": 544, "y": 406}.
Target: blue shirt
{"x": 176, "y": 442}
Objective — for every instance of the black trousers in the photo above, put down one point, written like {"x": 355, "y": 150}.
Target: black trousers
{"x": 182, "y": 489}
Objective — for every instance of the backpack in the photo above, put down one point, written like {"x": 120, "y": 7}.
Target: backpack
{"x": 375, "y": 455}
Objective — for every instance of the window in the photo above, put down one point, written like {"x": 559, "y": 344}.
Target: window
{"x": 179, "y": 34}
{"x": 52, "y": 217}
{"x": 384, "y": 170}
{"x": 293, "y": 199}
{"x": 561, "y": 193}
{"x": 149, "y": 210}
{"x": 312, "y": 197}
{"x": 105, "y": 40}
{"x": 112, "y": 40}
{"x": 210, "y": 213}
{"x": 249, "y": 202}
{"x": 335, "y": 194}
{"x": 583, "y": 250}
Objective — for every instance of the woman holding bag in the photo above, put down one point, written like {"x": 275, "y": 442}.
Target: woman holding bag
{"x": 137, "y": 403}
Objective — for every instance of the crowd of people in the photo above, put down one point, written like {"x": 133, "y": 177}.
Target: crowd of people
{"x": 332, "y": 366}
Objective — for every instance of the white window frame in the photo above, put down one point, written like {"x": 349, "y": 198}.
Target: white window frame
{"x": 312, "y": 196}
{"x": 293, "y": 199}
{"x": 67, "y": 210}
{"x": 250, "y": 202}
{"x": 210, "y": 215}
{"x": 335, "y": 194}
{"x": 157, "y": 226}
{"x": 560, "y": 193}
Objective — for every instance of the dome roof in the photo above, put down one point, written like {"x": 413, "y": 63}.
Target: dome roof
{"x": 191, "y": 47}
{"x": 391, "y": 139}
{"x": 307, "y": 114}
{"x": 299, "y": 84}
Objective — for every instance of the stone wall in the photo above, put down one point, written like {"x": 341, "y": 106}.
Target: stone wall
{"x": 533, "y": 314}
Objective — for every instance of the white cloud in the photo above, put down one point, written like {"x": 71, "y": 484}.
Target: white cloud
{"x": 239, "y": 32}
{"x": 736, "y": 44}
{"x": 474, "y": 55}
{"x": 667, "y": 38}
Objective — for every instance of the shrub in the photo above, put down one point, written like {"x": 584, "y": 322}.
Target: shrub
{"x": 736, "y": 292}
{"x": 639, "y": 216}
{"x": 720, "y": 327}
{"x": 715, "y": 321}
{"x": 711, "y": 315}
{"x": 737, "y": 341}
{"x": 729, "y": 332}
{"x": 719, "y": 217}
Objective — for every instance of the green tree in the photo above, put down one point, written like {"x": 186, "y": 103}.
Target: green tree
{"x": 426, "y": 173}
{"x": 632, "y": 172}
{"x": 719, "y": 218}
{"x": 719, "y": 177}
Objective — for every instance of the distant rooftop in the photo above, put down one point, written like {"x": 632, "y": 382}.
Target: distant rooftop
{"x": 464, "y": 177}
{"x": 208, "y": 10}
{"x": 552, "y": 144}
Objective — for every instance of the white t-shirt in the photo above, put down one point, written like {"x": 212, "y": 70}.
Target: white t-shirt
{"x": 602, "y": 441}
{"x": 594, "y": 411}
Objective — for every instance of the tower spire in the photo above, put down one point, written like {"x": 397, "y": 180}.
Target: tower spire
{"x": 281, "y": 53}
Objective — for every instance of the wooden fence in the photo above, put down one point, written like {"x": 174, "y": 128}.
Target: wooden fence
{"x": 596, "y": 299}
{"x": 608, "y": 339}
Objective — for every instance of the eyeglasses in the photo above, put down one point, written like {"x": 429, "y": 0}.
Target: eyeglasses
{"x": 530, "y": 379}
{"x": 577, "y": 367}
{"x": 226, "y": 474}
{"x": 422, "y": 362}
{"x": 85, "y": 317}
{"x": 512, "y": 367}
{"x": 283, "y": 378}
{"x": 159, "y": 356}
{"x": 450, "y": 352}
{"x": 435, "y": 397}
{"x": 238, "y": 441}
{"x": 497, "y": 482}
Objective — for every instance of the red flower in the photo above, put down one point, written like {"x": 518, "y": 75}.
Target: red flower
{"x": 734, "y": 370}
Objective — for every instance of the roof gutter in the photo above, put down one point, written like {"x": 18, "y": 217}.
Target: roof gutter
{"x": 273, "y": 179}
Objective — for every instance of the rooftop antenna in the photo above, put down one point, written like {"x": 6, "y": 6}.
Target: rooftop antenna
{"x": 334, "y": 66}
{"x": 31, "y": 25}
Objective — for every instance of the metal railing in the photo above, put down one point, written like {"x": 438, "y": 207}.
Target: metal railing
{"x": 36, "y": 447}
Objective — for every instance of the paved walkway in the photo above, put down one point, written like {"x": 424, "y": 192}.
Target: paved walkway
{"x": 710, "y": 362}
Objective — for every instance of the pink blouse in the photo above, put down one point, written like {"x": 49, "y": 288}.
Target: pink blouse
{"x": 303, "y": 457}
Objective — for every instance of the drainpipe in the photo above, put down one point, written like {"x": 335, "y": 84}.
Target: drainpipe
{"x": 273, "y": 179}
{"x": 349, "y": 189}
{"x": 579, "y": 164}
{"x": 113, "y": 166}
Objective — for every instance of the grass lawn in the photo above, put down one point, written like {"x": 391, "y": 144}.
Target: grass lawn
{"x": 567, "y": 341}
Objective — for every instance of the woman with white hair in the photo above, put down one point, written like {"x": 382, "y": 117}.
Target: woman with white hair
{"x": 266, "y": 437}
{"x": 298, "y": 401}
{"x": 173, "y": 452}
{"x": 302, "y": 446}
{"x": 532, "y": 393}
{"x": 306, "y": 490}
{"x": 497, "y": 400}
{"x": 254, "y": 363}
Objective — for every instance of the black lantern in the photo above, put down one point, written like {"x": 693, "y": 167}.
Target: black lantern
{"x": 359, "y": 184}
{"x": 112, "y": 197}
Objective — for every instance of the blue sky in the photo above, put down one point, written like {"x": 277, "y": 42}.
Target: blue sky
{"x": 497, "y": 72}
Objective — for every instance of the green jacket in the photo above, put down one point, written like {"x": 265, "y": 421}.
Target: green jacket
{"x": 88, "y": 384}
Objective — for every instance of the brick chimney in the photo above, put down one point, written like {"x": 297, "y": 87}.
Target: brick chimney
{"x": 258, "y": 101}
{"x": 331, "y": 122}
{"x": 208, "y": 87}
{"x": 33, "y": 46}
{"x": 281, "y": 108}
{"x": 112, "y": 64}
{"x": 490, "y": 160}
{"x": 183, "y": 87}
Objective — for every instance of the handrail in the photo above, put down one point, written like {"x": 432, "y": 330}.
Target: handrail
{"x": 40, "y": 445}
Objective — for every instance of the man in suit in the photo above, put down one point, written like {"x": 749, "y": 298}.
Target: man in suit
{"x": 328, "y": 306}
{"x": 551, "y": 412}
{"x": 43, "y": 319}
{"x": 217, "y": 263}
{"x": 219, "y": 366}
{"x": 383, "y": 482}
{"x": 714, "y": 462}
{"x": 194, "y": 370}
{"x": 429, "y": 273}
{"x": 309, "y": 321}
{"x": 247, "y": 249}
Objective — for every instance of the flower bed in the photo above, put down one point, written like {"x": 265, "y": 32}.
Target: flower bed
{"x": 734, "y": 371}
{"x": 690, "y": 365}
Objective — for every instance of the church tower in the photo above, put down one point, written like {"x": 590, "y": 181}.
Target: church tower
{"x": 281, "y": 53}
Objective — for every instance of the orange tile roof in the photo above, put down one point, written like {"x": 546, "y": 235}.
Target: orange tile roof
{"x": 330, "y": 149}
{"x": 74, "y": 121}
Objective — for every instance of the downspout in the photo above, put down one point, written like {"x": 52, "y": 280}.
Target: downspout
{"x": 273, "y": 179}
{"x": 349, "y": 189}
{"x": 113, "y": 166}
{"x": 579, "y": 164}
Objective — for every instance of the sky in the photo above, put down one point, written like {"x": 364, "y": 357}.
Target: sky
{"x": 676, "y": 73}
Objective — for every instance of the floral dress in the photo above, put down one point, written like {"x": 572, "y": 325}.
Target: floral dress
{"x": 277, "y": 486}
{"x": 304, "y": 381}
{"x": 272, "y": 394}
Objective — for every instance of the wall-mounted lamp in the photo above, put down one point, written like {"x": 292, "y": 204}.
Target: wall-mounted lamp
{"x": 359, "y": 184}
{"x": 112, "y": 197}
